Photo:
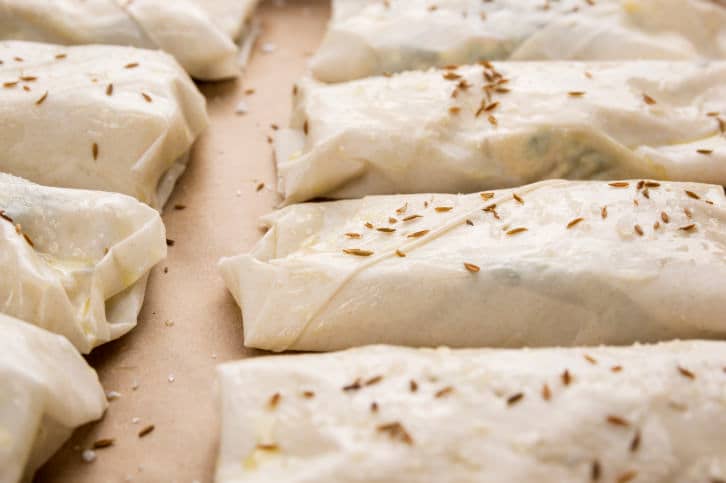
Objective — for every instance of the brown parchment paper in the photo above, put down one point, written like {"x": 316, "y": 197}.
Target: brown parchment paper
{"x": 189, "y": 322}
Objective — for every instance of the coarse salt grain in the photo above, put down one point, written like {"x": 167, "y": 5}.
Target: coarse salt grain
{"x": 88, "y": 455}
{"x": 268, "y": 47}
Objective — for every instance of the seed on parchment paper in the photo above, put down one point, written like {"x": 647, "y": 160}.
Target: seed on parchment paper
{"x": 103, "y": 443}
{"x": 627, "y": 476}
{"x": 595, "y": 471}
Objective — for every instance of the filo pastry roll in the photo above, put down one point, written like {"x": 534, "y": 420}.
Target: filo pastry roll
{"x": 97, "y": 117}
{"x": 391, "y": 414}
{"x": 372, "y": 37}
{"x": 502, "y": 125}
{"x": 201, "y": 34}
{"x": 75, "y": 262}
{"x": 46, "y": 390}
{"x": 557, "y": 263}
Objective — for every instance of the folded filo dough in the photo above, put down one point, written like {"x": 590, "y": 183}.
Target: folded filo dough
{"x": 387, "y": 414}
{"x": 512, "y": 123}
{"x": 371, "y": 37}
{"x": 46, "y": 390}
{"x": 555, "y": 263}
{"x": 200, "y": 34}
{"x": 75, "y": 262}
{"x": 97, "y": 117}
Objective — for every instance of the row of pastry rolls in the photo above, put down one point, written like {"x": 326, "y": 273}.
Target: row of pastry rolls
{"x": 210, "y": 39}
{"x": 93, "y": 140}
{"x": 74, "y": 269}
{"x": 628, "y": 249}
{"x": 119, "y": 116}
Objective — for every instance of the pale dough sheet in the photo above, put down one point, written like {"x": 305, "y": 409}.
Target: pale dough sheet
{"x": 97, "y": 117}
{"x": 479, "y": 127}
{"x": 201, "y": 34}
{"x": 370, "y": 37}
{"x": 388, "y": 415}
{"x": 46, "y": 390}
{"x": 75, "y": 262}
{"x": 555, "y": 263}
